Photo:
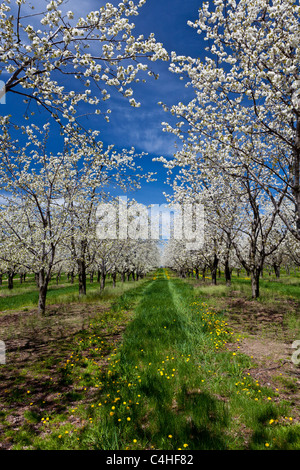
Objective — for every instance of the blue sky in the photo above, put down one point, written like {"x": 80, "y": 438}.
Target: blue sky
{"x": 141, "y": 127}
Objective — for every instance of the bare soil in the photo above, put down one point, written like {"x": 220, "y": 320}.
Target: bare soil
{"x": 35, "y": 348}
{"x": 267, "y": 337}
{"x": 31, "y": 340}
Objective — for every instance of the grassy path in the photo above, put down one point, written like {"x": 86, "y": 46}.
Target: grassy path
{"x": 173, "y": 383}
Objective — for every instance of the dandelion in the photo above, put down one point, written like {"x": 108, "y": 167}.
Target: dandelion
{"x": 170, "y": 436}
{"x": 128, "y": 419}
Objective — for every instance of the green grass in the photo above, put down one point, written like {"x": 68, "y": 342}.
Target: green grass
{"x": 279, "y": 296}
{"x": 25, "y": 295}
{"x": 269, "y": 288}
{"x": 171, "y": 384}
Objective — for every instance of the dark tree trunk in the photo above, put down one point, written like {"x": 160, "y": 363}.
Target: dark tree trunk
{"x": 277, "y": 270}
{"x": 214, "y": 270}
{"x": 81, "y": 277}
{"x": 227, "y": 272}
{"x": 43, "y": 288}
{"x": 10, "y": 279}
{"x": 102, "y": 281}
{"x": 255, "y": 273}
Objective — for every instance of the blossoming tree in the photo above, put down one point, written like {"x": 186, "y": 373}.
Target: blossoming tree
{"x": 247, "y": 96}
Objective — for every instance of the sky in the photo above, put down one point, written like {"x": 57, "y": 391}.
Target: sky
{"x": 141, "y": 127}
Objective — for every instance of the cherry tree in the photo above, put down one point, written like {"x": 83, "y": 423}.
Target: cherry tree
{"x": 63, "y": 62}
{"x": 51, "y": 199}
{"x": 247, "y": 96}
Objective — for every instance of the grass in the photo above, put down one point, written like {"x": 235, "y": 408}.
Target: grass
{"x": 25, "y": 295}
{"x": 173, "y": 382}
{"x": 277, "y": 296}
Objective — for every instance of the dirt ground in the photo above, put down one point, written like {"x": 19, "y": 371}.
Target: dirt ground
{"x": 30, "y": 340}
{"x": 35, "y": 348}
{"x": 268, "y": 339}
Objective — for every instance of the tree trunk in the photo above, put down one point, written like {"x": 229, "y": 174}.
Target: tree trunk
{"x": 102, "y": 281}
{"x": 1, "y": 279}
{"x": 43, "y": 288}
{"x": 114, "y": 277}
{"x": 214, "y": 269}
{"x": 10, "y": 279}
{"x": 81, "y": 276}
{"x": 197, "y": 273}
{"x": 277, "y": 270}
{"x": 122, "y": 276}
{"x": 227, "y": 272}
{"x": 255, "y": 274}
